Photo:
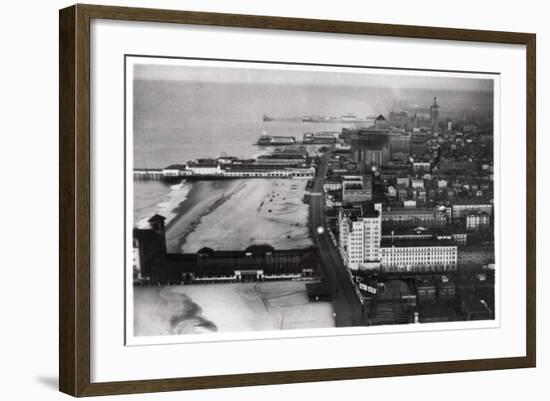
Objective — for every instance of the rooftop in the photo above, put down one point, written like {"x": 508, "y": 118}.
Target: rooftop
{"x": 416, "y": 243}
{"x": 363, "y": 209}
{"x": 176, "y": 167}
{"x": 156, "y": 218}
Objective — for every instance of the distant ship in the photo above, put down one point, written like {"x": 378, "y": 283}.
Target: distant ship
{"x": 352, "y": 118}
{"x": 344, "y": 118}
{"x": 267, "y": 118}
{"x": 311, "y": 119}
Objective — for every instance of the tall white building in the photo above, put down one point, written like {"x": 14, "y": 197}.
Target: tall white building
{"x": 360, "y": 235}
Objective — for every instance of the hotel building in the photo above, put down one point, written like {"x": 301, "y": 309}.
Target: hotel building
{"x": 360, "y": 235}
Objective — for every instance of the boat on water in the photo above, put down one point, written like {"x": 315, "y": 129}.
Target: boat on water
{"x": 267, "y": 118}
{"x": 311, "y": 119}
{"x": 344, "y": 118}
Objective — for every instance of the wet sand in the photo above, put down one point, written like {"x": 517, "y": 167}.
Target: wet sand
{"x": 203, "y": 198}
{"x": 251, "y": 212}
{"x": 231, "y": 307}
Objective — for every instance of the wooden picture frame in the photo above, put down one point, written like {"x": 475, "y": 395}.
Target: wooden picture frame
{"x": 74, "y": 203}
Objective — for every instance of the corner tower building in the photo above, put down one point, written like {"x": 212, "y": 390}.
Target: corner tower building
{"x": 434, "y": 114}
{"x": 360, "y": 235}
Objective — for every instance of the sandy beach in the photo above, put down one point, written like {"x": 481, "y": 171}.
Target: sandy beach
{"x": 248, "y": 212}
{"x": 203, "y": 198}
{"x": 152, "y": 197}
{"x": 233, "y": 307}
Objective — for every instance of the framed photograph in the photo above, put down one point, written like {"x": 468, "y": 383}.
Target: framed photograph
{"x": 250, "y": 200}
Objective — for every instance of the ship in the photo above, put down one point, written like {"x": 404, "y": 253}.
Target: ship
{"x": 344, "y": 118}
{"x": 311, "y": 119}
{"x": 267, "y": 118}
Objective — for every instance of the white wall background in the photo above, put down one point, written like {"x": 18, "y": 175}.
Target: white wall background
{"x": 28, "y": 198}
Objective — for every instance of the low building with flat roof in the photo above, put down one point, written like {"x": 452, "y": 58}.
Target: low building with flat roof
{"x": 418, "y": 255}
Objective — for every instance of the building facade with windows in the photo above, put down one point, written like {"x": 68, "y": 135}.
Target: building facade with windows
{"x": 476, "y": 221}
{"x": 418, "y": 255}
{"x": 360, "y": 235}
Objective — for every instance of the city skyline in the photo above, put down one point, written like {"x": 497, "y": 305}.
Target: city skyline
{"x": 257, "y": 206}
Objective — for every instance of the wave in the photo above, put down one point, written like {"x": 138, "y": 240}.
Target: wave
{"x": 169, "y": 203}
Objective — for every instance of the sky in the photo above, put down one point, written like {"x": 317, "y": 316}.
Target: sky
{"x": 178, "y": 90}
{"x": 277, "y": 74}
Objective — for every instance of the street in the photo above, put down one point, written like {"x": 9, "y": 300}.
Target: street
{"x": 343, "y": 293}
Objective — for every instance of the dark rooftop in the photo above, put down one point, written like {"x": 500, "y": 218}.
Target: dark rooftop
{"x": 156, "y": 218}
{"x": 387, "y": 243}
{"x": 176, "y": 167}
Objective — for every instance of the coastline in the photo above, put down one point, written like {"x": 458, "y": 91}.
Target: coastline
{"x": 203, "y": 198}
{"x": 157, "y": 197}
{"x": 228, "y": 214}
{"x": 257, "y": 211}
{"x": 227, "y": 308}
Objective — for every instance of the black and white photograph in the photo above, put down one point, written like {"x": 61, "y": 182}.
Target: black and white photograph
{"x": 266, "y": 196}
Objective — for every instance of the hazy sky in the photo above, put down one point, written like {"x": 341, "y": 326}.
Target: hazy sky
{"x": 358, "y": 77}
{"x": 171, "y": 93}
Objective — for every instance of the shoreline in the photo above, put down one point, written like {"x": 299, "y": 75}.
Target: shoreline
{"x": 227, "y": 308}
{"x": 234, "y": 214}
{"x": 261, "y": 211}
{"x": 203, "y": 198}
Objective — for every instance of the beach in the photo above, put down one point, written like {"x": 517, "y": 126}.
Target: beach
{"x": 226, "y": 214}
{"x": 152, "y": 197}
{"x": 230, "y": 307}
{"x": 203, "y": 198}
{"x": 248, "y": 212}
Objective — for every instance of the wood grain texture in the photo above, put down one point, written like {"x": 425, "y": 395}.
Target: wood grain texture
{"x": 67, "y": 265}
{"x": 74, "y": 198}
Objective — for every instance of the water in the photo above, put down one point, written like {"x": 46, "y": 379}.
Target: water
{"x": 175, "y": 122}
{"x": 179, "y": 121}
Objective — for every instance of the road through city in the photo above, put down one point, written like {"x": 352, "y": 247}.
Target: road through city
{"x": 344, "y": 296}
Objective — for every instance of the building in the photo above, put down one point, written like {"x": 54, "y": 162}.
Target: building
{"x": 426, "y": 290}
{"x": 253, "y": 170}
{"x": 153, "y": 265}
{"x": 356, "y": 189}
{"x": 174, "y": 170}
{"x": 418, "y": 255}
{"x": 380, "y": 124}
{"x": 403, "y": 181}
{"x": 434, "y": 114}
{"x": 476, "y": 255}
{"x": 204, "y": 167}
{"x": 332, "y": 184}
{"x": 421, "y": 165}
{"x": 399, "y": 119}
{"x": 400, "y": 217}
{"x": 370, "y": 149}
{"x": 419, "y": 143}
{"x": 476, "y": 221}
{"x": 322, "y": 137}
{"x": 148, "y": 174}
{"x": 399, "y": 143}
{"x": 149, "y": 247}
{"x": 464, "y": 206}
{"x": 360, "y": 231}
